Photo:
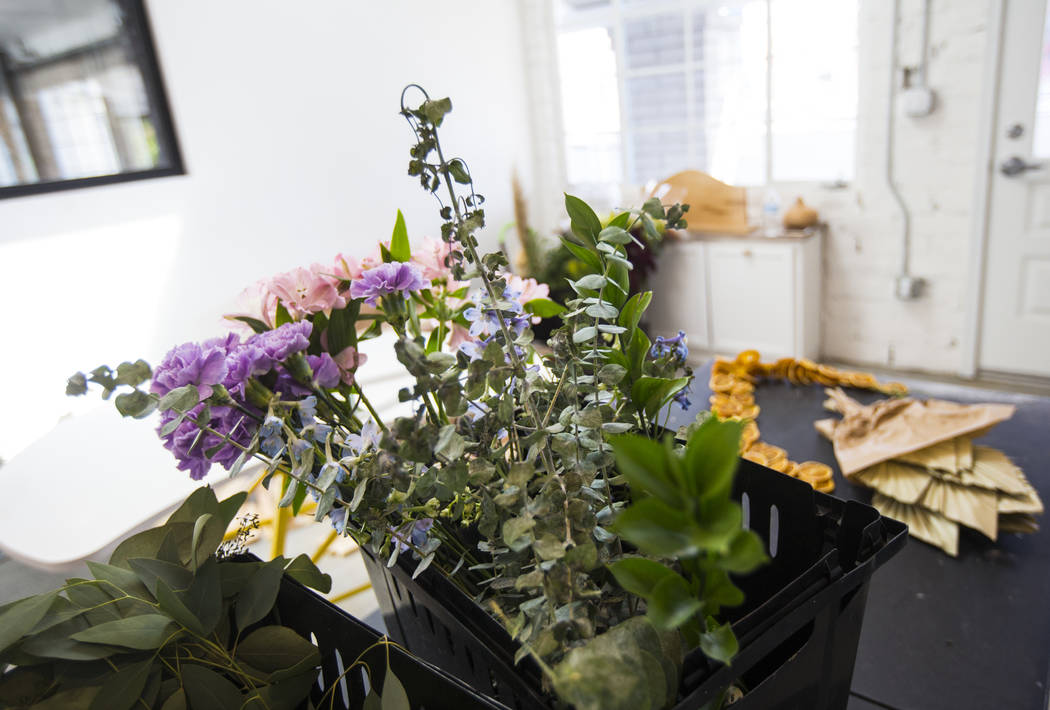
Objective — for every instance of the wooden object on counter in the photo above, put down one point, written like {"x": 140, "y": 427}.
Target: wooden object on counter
{"x": 713, "y": 205}
{"x": 800, "y": 215}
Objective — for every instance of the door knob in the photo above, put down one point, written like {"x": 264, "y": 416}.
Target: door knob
{"x": 1015, "y": 165}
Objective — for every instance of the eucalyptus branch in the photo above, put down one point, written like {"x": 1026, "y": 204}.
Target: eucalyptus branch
{"x": 466, "y": 239}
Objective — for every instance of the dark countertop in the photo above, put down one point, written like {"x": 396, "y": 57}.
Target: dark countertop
{"x": 968, "y": 632}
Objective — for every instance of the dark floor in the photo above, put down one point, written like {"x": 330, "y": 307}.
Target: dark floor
{"x": 943, "y": 633}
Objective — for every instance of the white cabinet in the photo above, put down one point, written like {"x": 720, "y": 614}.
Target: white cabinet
{"x": 680, "y": 294}
{"x": 733, "y": 294}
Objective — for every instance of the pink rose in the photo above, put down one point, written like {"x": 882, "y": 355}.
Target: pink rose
{"x": 304, "y": 291}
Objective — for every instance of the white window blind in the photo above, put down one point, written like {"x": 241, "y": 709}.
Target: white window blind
{"x": 751, "y": 91}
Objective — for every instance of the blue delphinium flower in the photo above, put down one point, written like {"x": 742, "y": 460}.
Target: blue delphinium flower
{"x": 270, "y": 432}
{"x": 308, "y": 409}
{"x": 417, "y": 534}
{"x": 368, "y": 438}
{"x": 338, "y": 518}
{"x": 670, "y": 346}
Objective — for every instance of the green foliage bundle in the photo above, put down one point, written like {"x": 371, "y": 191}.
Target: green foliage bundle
{"x": 167, "y": 624}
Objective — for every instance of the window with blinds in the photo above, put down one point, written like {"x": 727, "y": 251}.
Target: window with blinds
{"x": 746, "y": 91}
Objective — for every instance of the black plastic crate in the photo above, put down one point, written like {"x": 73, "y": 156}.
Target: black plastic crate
{"x": 341, "y": 638}
{"x": 798, "y": 629}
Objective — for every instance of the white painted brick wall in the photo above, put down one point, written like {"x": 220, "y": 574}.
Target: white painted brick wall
{"x": 935, "y": 167}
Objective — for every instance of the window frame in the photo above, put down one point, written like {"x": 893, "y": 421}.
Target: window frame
{"x": 140, "y": 35}
{"x": 613, "y": 16}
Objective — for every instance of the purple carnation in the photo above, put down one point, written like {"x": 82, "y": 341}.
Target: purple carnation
{"x": 189, "y": 445}
{"x": 283, "y": 341}
{"x": 326, "y": 371}
{"x": 201, "y": 364}
{"x": 384, "y": 279}
{"x": 243, "y": 362}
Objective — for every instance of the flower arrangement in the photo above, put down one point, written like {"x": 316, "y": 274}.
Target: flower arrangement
{"x": 538, "y": 478}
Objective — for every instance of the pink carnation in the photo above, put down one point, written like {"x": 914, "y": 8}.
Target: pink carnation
{"x": 350, "y": 268}
{"x": 430, "y": 258}
{"x": 305, "y": 291}
{"x": 527, "y": 289}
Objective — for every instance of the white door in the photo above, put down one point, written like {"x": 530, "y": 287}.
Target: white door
{"x": 1015, "y": 323}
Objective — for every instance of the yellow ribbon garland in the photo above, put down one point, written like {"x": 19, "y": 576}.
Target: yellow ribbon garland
{"x": 733, "y": 397}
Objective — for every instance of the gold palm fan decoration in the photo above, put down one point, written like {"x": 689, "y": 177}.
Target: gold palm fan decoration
{"x": 733, "y": 386}
{"x": 920, "y": 459}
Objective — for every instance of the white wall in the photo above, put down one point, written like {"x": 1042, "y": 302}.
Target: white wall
{"x": 287, "y": 118}
{"x": 936, "y": 165}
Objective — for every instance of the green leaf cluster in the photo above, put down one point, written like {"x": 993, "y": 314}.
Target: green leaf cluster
{"x": 165, "y": 624}
{"x": 683, "y": 518}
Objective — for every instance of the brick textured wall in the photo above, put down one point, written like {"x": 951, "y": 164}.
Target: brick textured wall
{"x": 935, "y": 167}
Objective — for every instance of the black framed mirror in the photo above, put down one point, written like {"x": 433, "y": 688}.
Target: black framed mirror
{"x": 82, "y": 102}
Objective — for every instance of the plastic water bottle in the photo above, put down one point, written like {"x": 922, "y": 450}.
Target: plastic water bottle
{"x": 771, "y": 226}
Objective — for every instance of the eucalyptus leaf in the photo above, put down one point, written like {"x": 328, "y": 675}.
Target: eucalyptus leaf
{"x": 305, "y": 572}
{"x": 122, "y": 579}
{"x": 135, "y": 404}
{"x": 259, "y": 594}
{"x": 19, "y": 618}
{"x": 181, "y": 399}
{"x": 142, "y": 631}
{"x": 593, "y": 282}
{"x": 202, "y": 500}
{"x": 173, "y": 605}
{"x": 584, "y": 334}
{"x": 148, "y": 542}
{"x": 176, "y": 701}
{"x": 204, "y": 596}
{"x": 150, "y": 571}
{"x": 615, "y": 235}
{"x": 276, "y": 648}
{"x": 208, "y": 532}
{"x": 207, "y": 690}
{"x": 71, "y": 699}
{"x": 394, "y": 696}
{"x": 229, "y": 507}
